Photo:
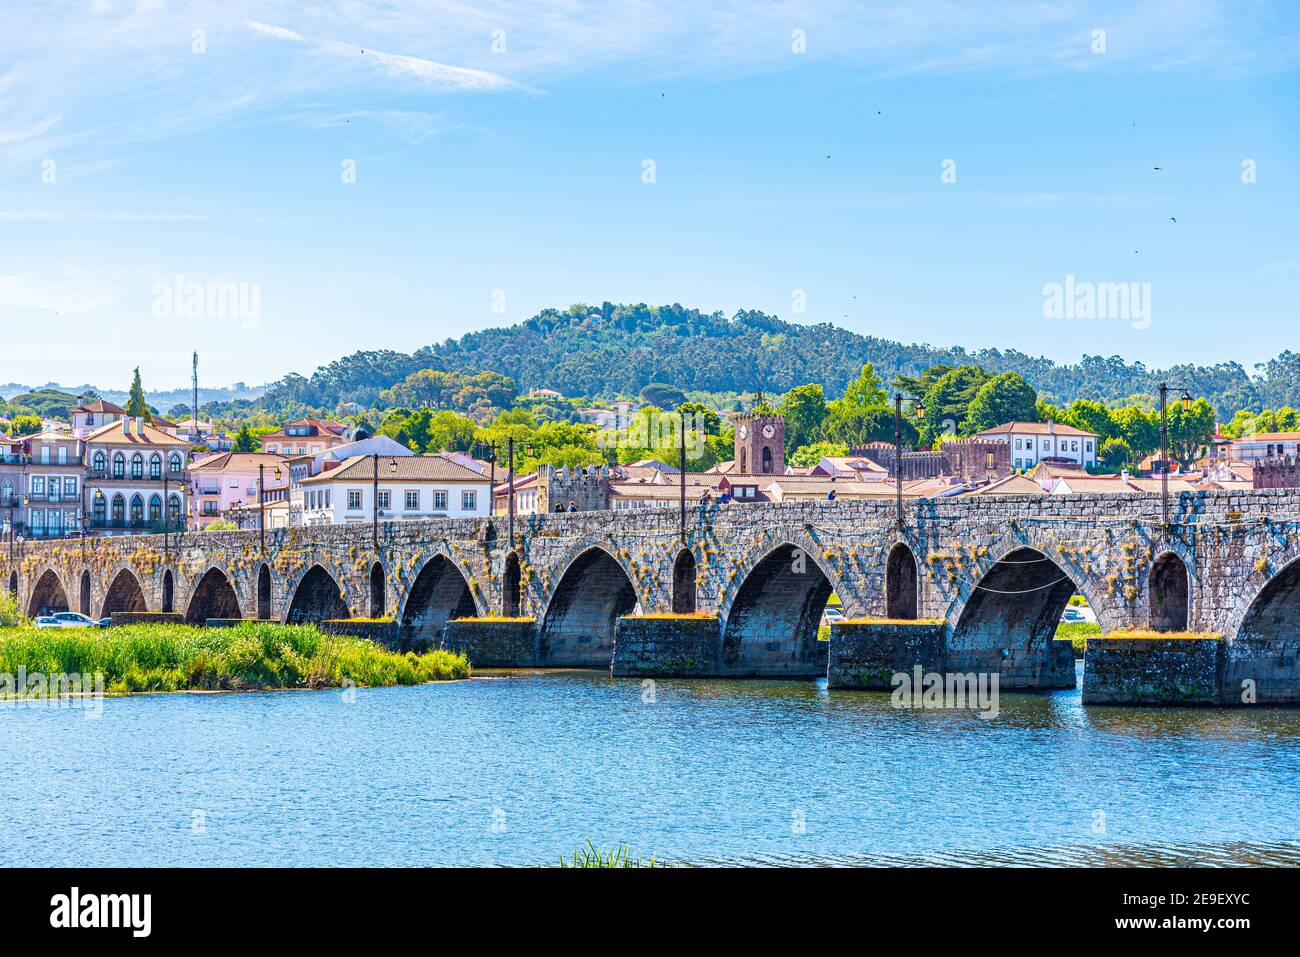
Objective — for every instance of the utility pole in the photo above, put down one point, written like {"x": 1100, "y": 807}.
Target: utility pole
{"x": 194, "y": 410}
{"x": 261, "y": 505}
{"x": 898, "y": 456}
{"x": 374, "y": 504}
{"x": 681, "y": 460}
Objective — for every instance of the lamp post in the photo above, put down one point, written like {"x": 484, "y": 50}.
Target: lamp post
{"x": 374, "y": 501}
{"x": 898, "y": 450}
{"x": 510, "y": 486}
{"x": 1186, "y": 399}
{"x": 166, "y": 509}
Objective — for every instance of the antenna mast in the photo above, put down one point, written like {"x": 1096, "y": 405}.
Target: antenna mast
{"x": 194, "y": 411}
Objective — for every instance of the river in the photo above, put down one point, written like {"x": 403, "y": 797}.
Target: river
{"x": 521, "y": 769}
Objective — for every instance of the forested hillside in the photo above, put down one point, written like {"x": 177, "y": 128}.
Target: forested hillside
{"x": 619, "y": 349}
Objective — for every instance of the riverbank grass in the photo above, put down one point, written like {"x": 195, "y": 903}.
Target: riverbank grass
{"x": 253, "y": 655}
{"x": 593, "y": 856}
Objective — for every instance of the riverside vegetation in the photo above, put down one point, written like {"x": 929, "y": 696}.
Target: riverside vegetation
{"x": 254, "y": 655}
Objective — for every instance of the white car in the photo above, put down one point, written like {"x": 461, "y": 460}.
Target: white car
{"x": 66, "y": 619}
{"x": 1078, "y": 613}
{"x": 832, "y": 616}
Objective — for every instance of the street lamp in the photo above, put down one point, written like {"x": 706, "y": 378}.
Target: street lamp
{"x": 1186, "y": 400}
{"x": 510, "y": 484}
{"x": 919, "y": 408}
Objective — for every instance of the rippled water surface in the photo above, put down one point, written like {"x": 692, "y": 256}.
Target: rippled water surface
{"x": 524, "y": 768}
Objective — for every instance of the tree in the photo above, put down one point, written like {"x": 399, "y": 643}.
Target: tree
{"x": 1114, "y": 453}
{"x": 863, "y": 413}
{"x": 244, "y": 440}
{"x": 1091, "y": 416}
{"x": 135, "y": 403}
{"x": 810, "y": 455}
{"x": 22, "y": 425}
{"x": 1139, "y": 430}
{"x": 804, "y": 409}
{"x": 1004, "y": 398}
{"x": 948, "y": 402}
{"x": 662, "y": 395}
{"x": 1189, "y": 431}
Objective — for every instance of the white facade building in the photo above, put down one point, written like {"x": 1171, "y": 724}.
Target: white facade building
{"x": 409, "y": 487}
{"x": 1034, "y": 442}
{"x": 135, "y": 475}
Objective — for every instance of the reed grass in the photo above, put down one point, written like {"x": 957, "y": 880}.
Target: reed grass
{"x": 593, "y": 856}
{"x": 253, "y": 655}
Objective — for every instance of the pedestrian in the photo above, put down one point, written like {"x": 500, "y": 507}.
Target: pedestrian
{"x": 830, "y": 496}
{"x": 572, "y": 506}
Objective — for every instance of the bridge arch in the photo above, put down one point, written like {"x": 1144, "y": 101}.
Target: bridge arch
{"x": 684, "y": 585}
{"x": 318, "y": 597}
{"x": 772, "y": 621}
{"x": 213, "y": 596}
{"x": 47, "y": 595}
{"x": 124, "y": 594}
{"x": 1265, "y": 648}
{"x": 594, "y": 591}
{"x": 84, "y": 601}
{"x": 1168, "y": 591}
{"x": 264, "y": 592}
{"x": 378, "y": 602}
{"x": 510, "y": 581}
{"x": 1009, "y": 618}
{"x": 902, "y": 583}
{"x": 439, "y": 593}
{"x": 13, "y": 584}
{"x": 168, "y": 591}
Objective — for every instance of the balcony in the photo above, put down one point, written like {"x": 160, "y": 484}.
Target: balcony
{"x": 141, "y": 526}
{"x": 176, "y": 479}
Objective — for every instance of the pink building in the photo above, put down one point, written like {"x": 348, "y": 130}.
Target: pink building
{"x": 226, "y": 485}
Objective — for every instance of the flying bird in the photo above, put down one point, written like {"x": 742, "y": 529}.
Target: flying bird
{"x": 1172, "y": 220}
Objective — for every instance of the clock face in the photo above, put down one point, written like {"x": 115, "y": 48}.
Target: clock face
{"x": 742, "y": 432}
{"x": 768, "y": 431}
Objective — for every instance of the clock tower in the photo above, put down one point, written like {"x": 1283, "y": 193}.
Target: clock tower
{"x": 760, "y": 445}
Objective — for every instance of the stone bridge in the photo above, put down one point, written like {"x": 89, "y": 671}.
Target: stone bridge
{"x": 745, "y": 584}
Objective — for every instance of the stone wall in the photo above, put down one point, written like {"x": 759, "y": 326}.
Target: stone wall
{"x": 1140, "y": 671}
{"x": 493, "y": 644}
{"x": 867, "y": 655}
{"x": 381, "y": 631}
{"x": 669, "y": 646}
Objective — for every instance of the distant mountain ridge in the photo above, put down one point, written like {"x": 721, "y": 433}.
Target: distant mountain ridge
{"x": 163, "y": 399}
{"x": 614, "y": 350}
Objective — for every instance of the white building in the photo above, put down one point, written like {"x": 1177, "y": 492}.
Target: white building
{"x": 1265, "y": 445}
{"x": 409, "y": 486}
{"x": 1034, "y": 442}
{"x": 135, "y": 473}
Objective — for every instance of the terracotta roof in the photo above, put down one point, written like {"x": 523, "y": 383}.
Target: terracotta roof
{"x": 1011, "y": 485}
{"x": 100, "y": 407}
{"x": 1037, "y": 428}
{"x": 115, "y": 434}
{"x": 323, "y": 427}
{"x": 238, "y": 461}
{"x": 409, "y": 468}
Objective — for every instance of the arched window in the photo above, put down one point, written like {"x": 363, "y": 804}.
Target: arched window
{"x": 767, "y": 460}
{"x": 174, "y": 463}
{"x": 119, "y": 465}
{"x": 137, "y": 510}
{"x": 174, "y": 511}
{"x": 99, "y": 507}
{"x": 100, "y": 462}
{"x": 137, "y": 466}
{"x": 119, "y": 510}
{"x": 7, "y": 492}
{"x": 155, "y": 509}
{"x": 155, "y": 466}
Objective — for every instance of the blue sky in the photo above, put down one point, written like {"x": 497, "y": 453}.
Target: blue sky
{"x": 514, "y": 176}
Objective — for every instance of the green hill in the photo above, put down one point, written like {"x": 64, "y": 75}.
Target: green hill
{"x": 614, "y": 350}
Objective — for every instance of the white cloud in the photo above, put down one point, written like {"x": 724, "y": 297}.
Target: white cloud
{"x": 55, "y": 295}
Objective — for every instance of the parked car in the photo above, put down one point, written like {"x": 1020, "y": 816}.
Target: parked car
{"x": 71, "y": 619}
{"x": 46, "y": 621}
{"x": 1078, "y": 613}
{"x": 832, "y": 616}
{"x": 104, "y": 622}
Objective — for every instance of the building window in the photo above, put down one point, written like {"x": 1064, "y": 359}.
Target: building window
{"x": 174, "y": 510}
{"x": 412, "y": 499}
{"x": 38, "y": 484}
{"x": 137, "y": 466}
{"x": 155, "y": 467}
{"x": 155, "y": 509}
{"x": 63, "y": 455}
{"x": 174, "y": 464}
{"x": 100, "y": 463}
{"x": 354, "y": 499}
{"x": 45, "y": 454}
{"x": 440, "y": 500}
{"x": 468, "y": 501}
{"x": 1018, "y": 445}
{"x": 70, "y": 487}
{"x": 137, "y": 510}
{"x": 1088, "y": 446}
{"x": 119, "y": 466}
{"x": 1074, "y": 445}
{"x": 99, "y": 509}
{"x": 119, "y": 510}
{"x": 384, "y": 498}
